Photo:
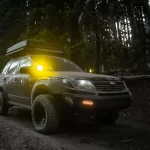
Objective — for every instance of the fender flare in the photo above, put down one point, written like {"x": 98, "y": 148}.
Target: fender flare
{"x": 36, "y": 87}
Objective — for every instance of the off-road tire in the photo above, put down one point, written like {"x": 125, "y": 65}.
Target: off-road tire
{"x": 51, "y": 123}
{"x": 3, "y": 105}
{"x": 108, "y": 119}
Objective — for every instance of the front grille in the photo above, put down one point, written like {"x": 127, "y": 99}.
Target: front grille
{"x": 113, "y": 94}
{"x": 106, "y": 86}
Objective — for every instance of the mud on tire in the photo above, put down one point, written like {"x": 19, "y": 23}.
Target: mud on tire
{"x": 3, "y": 105}
{"x": 44, "y": 114}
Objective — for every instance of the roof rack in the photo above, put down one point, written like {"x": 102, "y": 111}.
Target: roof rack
{"x": 30, "y": 47}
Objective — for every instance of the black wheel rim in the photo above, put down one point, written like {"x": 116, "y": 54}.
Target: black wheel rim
{"x": 40, "y": 115}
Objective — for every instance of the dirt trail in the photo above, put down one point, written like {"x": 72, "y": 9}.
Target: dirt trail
{"x": 17, "y": 133}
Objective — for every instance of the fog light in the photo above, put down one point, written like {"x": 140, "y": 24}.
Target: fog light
{"x": 87, "y": 102}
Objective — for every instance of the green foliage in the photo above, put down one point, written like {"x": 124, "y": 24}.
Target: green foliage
{"x": 108, "y": 34}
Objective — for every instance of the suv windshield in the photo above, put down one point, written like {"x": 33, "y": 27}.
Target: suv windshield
{"x": 56, "y": 64}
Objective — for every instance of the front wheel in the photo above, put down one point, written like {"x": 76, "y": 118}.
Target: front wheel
{"x": 44, "y": 114}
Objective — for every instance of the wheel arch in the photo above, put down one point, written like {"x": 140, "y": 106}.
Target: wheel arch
{"x": 38, "y": 90}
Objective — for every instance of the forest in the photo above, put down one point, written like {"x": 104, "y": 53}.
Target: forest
{"x": 101, "y": 36}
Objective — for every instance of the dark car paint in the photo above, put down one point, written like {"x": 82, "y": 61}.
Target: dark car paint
{"x": 84, "y": 75}
{"x": 102, "y": 103}
{"x": 21, "y": 88}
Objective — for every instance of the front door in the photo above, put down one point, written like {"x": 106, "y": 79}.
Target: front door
{"x": 25, "y": 82}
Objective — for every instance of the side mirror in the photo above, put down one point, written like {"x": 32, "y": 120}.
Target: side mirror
{"x": 25, "y": 70}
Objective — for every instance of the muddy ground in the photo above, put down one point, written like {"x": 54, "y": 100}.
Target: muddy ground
{"x": 17, "y": 133}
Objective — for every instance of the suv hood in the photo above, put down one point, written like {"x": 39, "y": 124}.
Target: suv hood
{"x": 84, "y": 75}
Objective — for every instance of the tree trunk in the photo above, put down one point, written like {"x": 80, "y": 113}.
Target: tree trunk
{"x": 113, "y": 20}
{"x": 128, "y": 32}
{"x": 97, "y": 37}
{"x": 132, "y": 20}
{"x": 146, "y": 10}
{"x": 143, "y": 38}
{"x": 119, "y": 32}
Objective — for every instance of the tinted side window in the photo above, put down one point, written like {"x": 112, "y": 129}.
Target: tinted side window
{"x": 14, "y": 67}
{"x": 6, "y": 68}
{"x": 26, "y": 62}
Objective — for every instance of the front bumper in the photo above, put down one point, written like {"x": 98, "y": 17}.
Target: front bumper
{"x": 102, "y": 103}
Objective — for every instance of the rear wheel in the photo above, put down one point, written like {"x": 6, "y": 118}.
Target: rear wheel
{"x": 3, "y": 105}
{"x": 44, "y": 114}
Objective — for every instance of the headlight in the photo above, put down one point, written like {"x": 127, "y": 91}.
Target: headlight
{"x": 85, "y": 85}
{"x": 80, "y": 84}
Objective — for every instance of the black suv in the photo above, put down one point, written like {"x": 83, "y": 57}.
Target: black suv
{"x": 55, "y": 88}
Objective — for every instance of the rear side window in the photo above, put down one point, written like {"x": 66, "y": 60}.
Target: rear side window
{"x": 6, "y": 68}
{"x": 14, "y": 67}
{"x": 26, "y": 62}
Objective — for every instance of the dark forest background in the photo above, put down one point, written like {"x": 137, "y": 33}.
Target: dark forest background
{"x": 106, "y": 36}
